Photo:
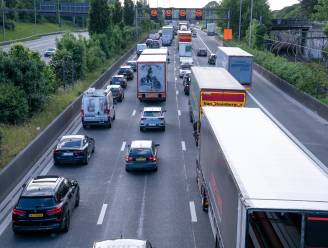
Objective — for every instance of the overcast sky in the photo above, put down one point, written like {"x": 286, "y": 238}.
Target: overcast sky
{"x": 274, "y": 4}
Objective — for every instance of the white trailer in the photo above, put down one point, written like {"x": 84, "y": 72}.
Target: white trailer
{"x": 211, "y": 29}
{"x": 157, "y": 51}
{"x": 167, "y": 35}
{"x": 185, "y": 49}
{"x": 262, "y": 189}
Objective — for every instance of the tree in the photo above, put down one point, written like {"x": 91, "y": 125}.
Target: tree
{"x": 128, "y": 12}
{"x": 63, "y": 66}
{"x": 308, "y": 6}
{"x": 259, "y": 35}
{"x": 117, "y": 12}
{"x": 321, "y": 11}
{"x": 99, "y": 17}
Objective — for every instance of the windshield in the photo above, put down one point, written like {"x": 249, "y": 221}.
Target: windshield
{"x": 142, "y": 152}
{"x": 185, "y": 66}
{"x": 152, "y": 113}
{"x": 70, "y": 143}
{"x": 36, "y": 202}
{"x": 116, "y": 79}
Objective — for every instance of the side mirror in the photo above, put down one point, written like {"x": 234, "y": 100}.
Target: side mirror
{"x": 73, "y": 183}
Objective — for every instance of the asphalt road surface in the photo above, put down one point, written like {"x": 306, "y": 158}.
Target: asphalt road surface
{"x": 163, "y": 207}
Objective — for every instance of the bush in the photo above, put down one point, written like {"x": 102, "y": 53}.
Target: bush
{"x": 95, "y": 55}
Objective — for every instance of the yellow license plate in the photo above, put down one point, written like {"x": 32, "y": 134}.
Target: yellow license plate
{"x": 140, "y": 159}
{"x": 35, "y": 215}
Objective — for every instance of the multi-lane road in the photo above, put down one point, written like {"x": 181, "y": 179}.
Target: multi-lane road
{"x": 163, "y": 207}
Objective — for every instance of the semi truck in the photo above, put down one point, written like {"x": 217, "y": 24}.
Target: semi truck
{"x": 157, "y": 51}
{"x": 184, "y": 36}
{"x": 185, "y": 49}
{"x": 238, "y": 62}
{"x": 167, "y": 35}
{"x": 261, "y": 189}
{"x": 151, "y": 77}
{"x": 215, "y": 87}
{"x": 211, "y": 29}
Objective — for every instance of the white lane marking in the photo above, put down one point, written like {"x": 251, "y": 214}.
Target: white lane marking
{"x": 179, "y": 112}
{"x": 123, "y": 146}
{"x": 177, "y": 92}
{"x": 134, "y": 112}
{"x": 183, "y": 146}
{"x": 176, "y": 78}
{"x": 142, "y": 212}
{"x": 205, "y": 44}
{"x": 193, "y": 211}
{"x": 102, "y": 214}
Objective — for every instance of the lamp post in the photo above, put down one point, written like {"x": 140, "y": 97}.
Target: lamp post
{"x": 239, "y": 27}
{"x": 3, "y": 20}
{"x": 250, "y": 25}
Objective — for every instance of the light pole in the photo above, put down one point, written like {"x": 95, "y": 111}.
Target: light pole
{"x": 239, "y": 27}
{"x": 3, "y": 20}
{"x": 250, "y": 25}
{"x": 34, "y": 16}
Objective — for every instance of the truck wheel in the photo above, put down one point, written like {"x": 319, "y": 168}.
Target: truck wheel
{"x": 190, "y": 118}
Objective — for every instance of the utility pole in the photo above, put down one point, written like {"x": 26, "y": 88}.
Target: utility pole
{"x": 239, "y": 27}
{"x": 136, "y": 14}
{"x": 250, "y": 25}
{"x": 229, "y": 18}
{"x": 58, "y": 12}
{"x": 3, "y": 20}
{"x": 34, "y": 16}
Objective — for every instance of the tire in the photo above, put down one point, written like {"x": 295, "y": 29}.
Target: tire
{"x": 84, "y": 126}
{"x": 190, "y": 117}
{"x": 114, "y": 117}
{"x": 127, "y": 169}
{"x": 94, "y": 148}
{"x": 77, "y": 201}
{"x": 67, "y": 223}
{"x": 109, "y": 125}
{"x": 86, "y": 160}
{"x": 141, "y": 129}
{"x": 163, "y": 129}
{"x": 155, "y": 169}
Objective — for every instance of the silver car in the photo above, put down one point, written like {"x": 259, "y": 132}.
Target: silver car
{"x": 152, "y": 118}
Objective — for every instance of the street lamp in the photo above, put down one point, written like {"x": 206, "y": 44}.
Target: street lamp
{"x": 250, "y": 25}
{"x": 3, "y": 20}
{"x": 239, "y": 28}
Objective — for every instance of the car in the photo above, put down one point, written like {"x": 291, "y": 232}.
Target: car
{"x": 126, "y": 243}
{"x": 184, "y": 69}
{"x": 152, "y": 118}
{"x": 149, "y": 43}
{"x": 117, "y": 92}
{"x": 202, "y": 52}
{"x": 46, "y": 203}
{"x": 212, "y": 59}
{"x": 186, "y": 83}
{"x": 194, "y": 34}
{"x": 74, "y": 149}
{"x": 119, "y": 80}
{"x": 142, "y": 155}
{"x": 133, "y": 64}
{"x": 127, "y": 71}
{"x": 156, "y": 44}
{"x": 49, "y": 52}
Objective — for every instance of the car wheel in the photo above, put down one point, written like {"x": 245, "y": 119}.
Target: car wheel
{"x": 109, "y": 125}
{"x": 93, "y": 149}
{"x": 67, "y": 223}
{"x": 77, "y": 200}
{"x": 163, "y": 129}
{"x": 156, "y": 168}
{"x": 84, "y": 126}
{"x": 127, "y": 169}
{"x": 86, "y": 159}
{"x": 114, "y": 116}
{"x": 141, "y": 129}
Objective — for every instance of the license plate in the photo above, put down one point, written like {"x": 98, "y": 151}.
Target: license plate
{"x": 140, "y": 159}
{"x": 152, "y": 124}
{"x": 36, "y": 215}
{"x": 68, "y": 154}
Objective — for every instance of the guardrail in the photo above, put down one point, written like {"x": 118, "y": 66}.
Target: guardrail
{"x": 304, "y": 98}
{"x": 26, "y": 159}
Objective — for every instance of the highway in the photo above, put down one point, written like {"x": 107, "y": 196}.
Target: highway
{"x": 163, "y": 207}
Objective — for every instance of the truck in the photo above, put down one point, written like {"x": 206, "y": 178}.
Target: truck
{"x": 151, "y": 77}
{"x": 183, "y": 25}
{"x": 211, "y": 29}
{"x": 185, "y": 49}
{"x": 213, "y": 86}
{"x": 260, "y": 187}
{"x": 184, "y": 36}
{"x": 238, "y": 62}
{"x": 167, "y": 35}
{"x": 157, "y": 51}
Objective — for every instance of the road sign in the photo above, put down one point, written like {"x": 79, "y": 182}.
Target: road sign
{"x": 199, "y": 14}
{"x": 182, "y": 14}
{"x": 168, "y": 14}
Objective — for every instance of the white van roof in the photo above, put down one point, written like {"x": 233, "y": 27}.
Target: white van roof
{"x": 120, "y": 243}
{"x": 94, "y": 92}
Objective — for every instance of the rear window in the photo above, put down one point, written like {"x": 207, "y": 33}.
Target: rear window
{"x": 152, "y": 114}
{"x": 140, "y": 152}
{"x": 36, "y": 202}
{"x": 185, "y": 66}
{"x": 116, "y": 79}
{"x": 115, "y": 90}
{"x": 70, "y": 143}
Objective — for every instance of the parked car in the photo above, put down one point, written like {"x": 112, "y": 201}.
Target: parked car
{"x": 133, "y": 64}
{"x": 119, "y": 80}
{"x": 149, "y": 43}
{"x": 126, "y": 243}
{"x": 184, "y": 69}
{"x": 152, "y": 118}
{"x": 142, "y": 155}
{"x": 46, "y": 204}
{"x": 49, "y": 52}
{"x": 97, "y": 108}
{"x": 202, "y": 52}
{"x": 127, "y": 71}
{"x": 212, "y": 59}
{"x": 74, "y": 149}
{"x": 117, "y": 92}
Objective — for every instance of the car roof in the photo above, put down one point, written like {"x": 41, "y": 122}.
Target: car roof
{"x": 75, "y": 136}
{"x": 141, "y": 143}
{"x": 120, "y": 243}
{"x": 118, "y": 76}
{"x": 152, "y": 109}
{"x": 113, "y": 86}
{"x": 125, "y": 67}
{"x": 42, "y": 186}
{"x": 132, "y": 61}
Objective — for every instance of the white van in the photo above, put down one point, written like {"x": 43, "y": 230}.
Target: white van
{"x": 119, "y": 243}
{"x": 97, "y": 108}
{"x": 140, "y": 48}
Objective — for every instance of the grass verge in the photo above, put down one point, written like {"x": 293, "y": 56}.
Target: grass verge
{"x": 24, "y": 30}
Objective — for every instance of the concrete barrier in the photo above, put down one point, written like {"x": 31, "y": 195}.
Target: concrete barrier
{"x": 24, "y": 161}
{"x": 304, "y": 98}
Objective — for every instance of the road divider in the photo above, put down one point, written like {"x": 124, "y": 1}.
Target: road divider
{"x": 179, "y": 112}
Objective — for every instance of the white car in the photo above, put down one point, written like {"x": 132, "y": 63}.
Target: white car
{"x": 49, "y": 52}
{"x": 184, "y": 69}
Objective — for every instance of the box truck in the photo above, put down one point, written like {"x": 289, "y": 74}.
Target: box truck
{"x": 157, "y": 51}
{"x": 238, "y": 62}
{"x": 215, "y": 87}
{"x": 262, "y": 189}
{"x": 211, "y": 29}
{"x": 151, "y": 77}
{"x": 185, "y": 49}
{"x": 184, "y": 36}
{"x": 167, "y": 35}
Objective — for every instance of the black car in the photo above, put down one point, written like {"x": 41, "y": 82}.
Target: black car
{"x": 74, "y": 149}
{"x": 149, "y": 43}
{"x": 156, "y": 44}
{"x": 46, "y": 204}
{"x": 133, "y": 64}
{"x": 202, "y": 52}
{"x": 119, "y": 80}
{"x": 127, "y": 71}
{"x": 212, "y": 59}
{"x": 117, "y": 92}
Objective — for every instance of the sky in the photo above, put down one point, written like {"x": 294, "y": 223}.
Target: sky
{"x": 274, "y": 4}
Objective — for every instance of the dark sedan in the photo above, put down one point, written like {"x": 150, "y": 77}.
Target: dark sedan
{"x": 202, "y": 52}
{"x": 74, "y": 149}
{"x": 133, "y": 64}
{"x": 119, "y": 80}
{"x": 126, "y": 71}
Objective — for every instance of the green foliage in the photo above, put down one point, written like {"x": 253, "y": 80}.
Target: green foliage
{"x": 95, "y": 55}
{"x": 99, "y": 17}
{"x": 117, "y": 12}
{"x": 308, "y": 7}
{"x": 259, "y": 34}
{"x": 290, "y": 12}
{"x": 321, "y": 11}
{"x": 128, "y": 12}
{"x": 63, "y": 65}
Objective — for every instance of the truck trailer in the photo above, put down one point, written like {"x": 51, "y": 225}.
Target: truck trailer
{"x": 262, "y": 189}
{"x": 238, "y": 62}
{"x": 157, "y": 51}
{"x": 211, "y": 29}
{"x": 184, "y": 36}
{"x": 167, "y": 35}
{"x": 215, "y": 87}
{"x": 151, "y": 77}
{"x": 185, "y": 49}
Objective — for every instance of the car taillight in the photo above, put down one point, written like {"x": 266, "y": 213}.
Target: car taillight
{"x": 106, "y": 111}
{"x": 18, "y": 212}
{"x": 128, "y": 158}
{"x": 82, "y": 113}
{"x": 152, "y": 158}
{"x": 161, "y": 118}
{"x": 54, "y": 211}
{"x": 143, "y": 118}
{"x": 78, "y": 152}
{"x": 56, "y": 152}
